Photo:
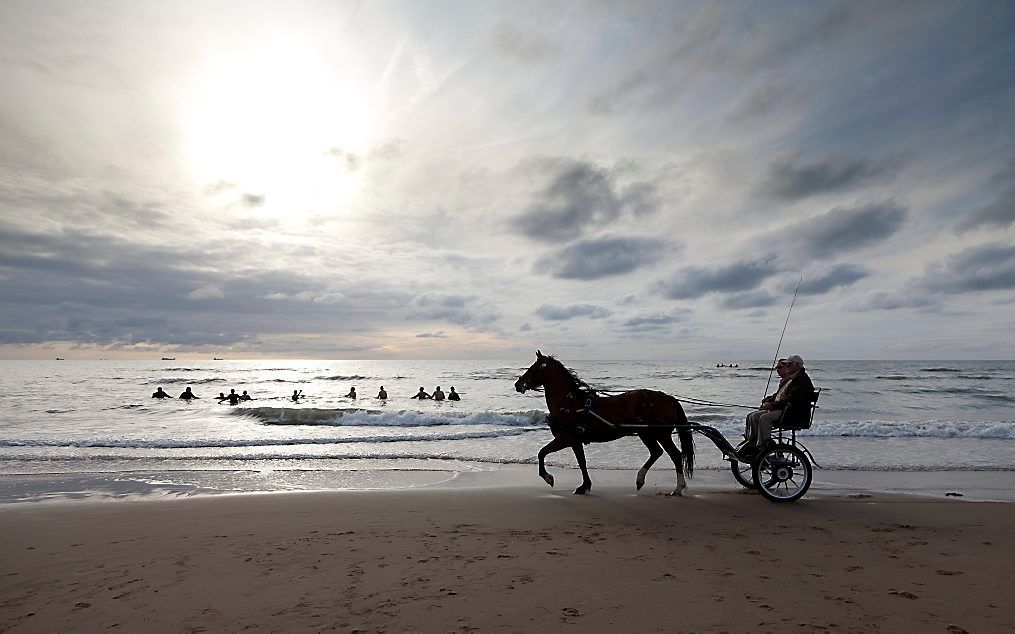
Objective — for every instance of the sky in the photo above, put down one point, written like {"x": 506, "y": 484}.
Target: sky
{"x": 479, "y": 179}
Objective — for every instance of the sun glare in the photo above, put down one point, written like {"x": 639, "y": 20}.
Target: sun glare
{"x": 277, "y": 122}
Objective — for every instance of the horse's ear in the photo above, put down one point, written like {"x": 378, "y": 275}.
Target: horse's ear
{"x": 539, "y": 354}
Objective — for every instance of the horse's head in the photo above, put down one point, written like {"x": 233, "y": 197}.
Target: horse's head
{"x": 535, "y": 376}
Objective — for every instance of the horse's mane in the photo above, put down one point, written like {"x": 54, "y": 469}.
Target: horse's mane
{"x": 578, "y": 382}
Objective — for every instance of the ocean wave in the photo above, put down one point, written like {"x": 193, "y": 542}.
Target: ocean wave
{"x": 977, "y": 392}
{"x": 990, "y": 430}
{"x": 497, "y": 375}
{"x": 186, "y": 380}
{"x": 140, "y": 443}
{"x": 373, "y": 418}
{"x": 174, "y": 369}
{"x": 916, "y": 429}
{"x": 941, "y": 369}
{"x": 343, "y": 377}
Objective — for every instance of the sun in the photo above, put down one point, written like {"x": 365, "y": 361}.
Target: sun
{"x": 272, "y": 121}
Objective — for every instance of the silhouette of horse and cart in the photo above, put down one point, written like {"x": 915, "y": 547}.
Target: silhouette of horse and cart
{"x": 579, "y": 415}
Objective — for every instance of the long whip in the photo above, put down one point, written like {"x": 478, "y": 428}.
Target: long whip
{"x": 777, "y": 348}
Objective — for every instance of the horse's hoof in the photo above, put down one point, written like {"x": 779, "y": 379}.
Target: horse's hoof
{"x": 582, "y": 490}
{"x": 678, "y": 492}
{"x": 639, "y": 484}
{"x": 547, "y": 478}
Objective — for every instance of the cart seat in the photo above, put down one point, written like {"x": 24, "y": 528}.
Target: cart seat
{"x": 798, "y": 416}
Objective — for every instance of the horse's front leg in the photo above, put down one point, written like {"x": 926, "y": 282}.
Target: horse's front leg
{"x": 654, "y": 451}
{"x": 579, "y": 455}
{"x": 675, "y": 455}
{"x": 554, "y": 445}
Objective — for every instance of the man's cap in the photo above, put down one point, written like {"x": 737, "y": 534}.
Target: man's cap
{"x": 795, "y": 358}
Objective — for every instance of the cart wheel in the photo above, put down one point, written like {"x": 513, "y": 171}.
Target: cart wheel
{"x": 783, "y": 473}
{"x": 743, "y": 473}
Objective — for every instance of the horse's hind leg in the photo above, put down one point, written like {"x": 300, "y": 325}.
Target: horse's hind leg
{"x": 554, "y": 445}
{"x": 579, "y": 455}
{"x": 678, "y": 462}
{"x": 653, "y": 454}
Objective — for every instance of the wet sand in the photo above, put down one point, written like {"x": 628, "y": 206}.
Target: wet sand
{"x": 493, "y": 551}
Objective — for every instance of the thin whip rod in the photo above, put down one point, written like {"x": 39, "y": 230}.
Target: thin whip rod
{"x": 777, "y": 348}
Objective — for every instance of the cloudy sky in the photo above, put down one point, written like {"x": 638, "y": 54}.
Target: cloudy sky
{"x": 477, "y": 179}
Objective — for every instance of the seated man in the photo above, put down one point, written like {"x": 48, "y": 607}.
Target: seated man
{"x": 794, "y": 387}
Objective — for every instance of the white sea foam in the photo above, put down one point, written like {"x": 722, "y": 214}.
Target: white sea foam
{"x": 120, "y": 443}
{"x": 376, "y": 418}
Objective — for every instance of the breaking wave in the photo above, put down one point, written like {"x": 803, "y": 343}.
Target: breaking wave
{"x": 372, "y": 418}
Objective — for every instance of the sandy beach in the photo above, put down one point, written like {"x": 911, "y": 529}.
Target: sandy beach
{"x": 491, "y": 552}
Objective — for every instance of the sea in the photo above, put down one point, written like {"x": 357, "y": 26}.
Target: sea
{"x": 86, "y": 428}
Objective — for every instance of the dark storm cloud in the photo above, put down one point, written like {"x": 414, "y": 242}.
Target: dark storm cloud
{"x": 103, "y": 290}
{"x": 692, "y": 282}
{"x": 253, "y": 200}
{"x": 550, "y": 312}
{"x": 465, "y": 310}
{"x": 602, "y": 257}
{"x": 748, "y": 299}
{"x": 894, "y": 300}
{"x": 351, "y": 161}
{"x": 789, "y": 180}
{"x": 1000, "y": 214}
{"x": 822, "y": 281}
{"x": 844, "y": 229}
{"x": 653, "y": 320}
{"x": 986, "y": 267}
{"x": 581, "y": 194}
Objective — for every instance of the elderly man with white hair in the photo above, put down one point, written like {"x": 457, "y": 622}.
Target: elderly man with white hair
{"x": 794, "y": 387}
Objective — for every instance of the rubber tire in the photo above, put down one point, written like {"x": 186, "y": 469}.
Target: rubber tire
{"x": 804, "y": 471}
{"x": 746, "y": 477}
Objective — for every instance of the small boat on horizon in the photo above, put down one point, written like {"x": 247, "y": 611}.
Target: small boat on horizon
{"x": 217, "y": 359}
{"x": 169, "y": 358}
{"x": 60, "y": 359}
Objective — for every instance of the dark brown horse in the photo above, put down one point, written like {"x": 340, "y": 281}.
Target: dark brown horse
{"x": 578, "y": 415}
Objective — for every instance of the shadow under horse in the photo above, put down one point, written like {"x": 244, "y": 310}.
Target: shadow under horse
{"x": 579, "y": 415}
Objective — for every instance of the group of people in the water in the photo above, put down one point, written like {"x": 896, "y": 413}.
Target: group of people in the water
{"x": 233, "y": 398}
{"x": 727, "y": 365}
{"x": 438, "y": 394}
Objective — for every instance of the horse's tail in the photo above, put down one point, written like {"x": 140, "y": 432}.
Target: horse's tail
{"x": 686, "y": 440}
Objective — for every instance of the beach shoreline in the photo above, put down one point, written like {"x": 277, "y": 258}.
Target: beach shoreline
{"x": 57, "y": 488}
{"x": 495, "y": 550}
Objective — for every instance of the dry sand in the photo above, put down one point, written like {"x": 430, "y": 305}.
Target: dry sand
{"x": 491, "y": 554}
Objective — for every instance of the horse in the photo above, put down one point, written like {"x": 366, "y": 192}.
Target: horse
{"x": 578, "y": 415}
